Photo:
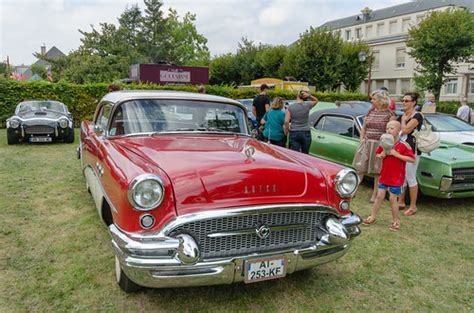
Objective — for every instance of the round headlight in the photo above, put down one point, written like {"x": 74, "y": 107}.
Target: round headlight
{"x": 63, "y": 123}
{"x": 145, "y": 192}
{"x": 14, "y": 123}
{"x": 346, "y": 182}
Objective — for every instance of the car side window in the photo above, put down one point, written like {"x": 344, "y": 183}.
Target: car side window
{"x": 320, "y": 124}
{"x": 104, "y": 116}
{"x": 340, "y": 126}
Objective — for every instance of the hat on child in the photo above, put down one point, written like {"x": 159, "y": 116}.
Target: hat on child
{"x": 387, "y": 142}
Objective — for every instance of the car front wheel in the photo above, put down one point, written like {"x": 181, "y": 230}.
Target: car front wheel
{"x": 70, "y": 136}
{"x": 11, "y": 139}
{"x": 123, "y": 281}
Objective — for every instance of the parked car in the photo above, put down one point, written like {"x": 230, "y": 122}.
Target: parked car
{"x": 193, "y": 201}
{"x": 40, "y": 121}
{"x": 447, "y": 173}
{"x": 248, "y": 105}
{"x": 451, "y": 129}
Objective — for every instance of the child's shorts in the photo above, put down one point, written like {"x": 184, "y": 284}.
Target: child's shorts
{"x": 395, "y": 190}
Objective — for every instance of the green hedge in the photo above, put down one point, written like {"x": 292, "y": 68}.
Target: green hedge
{"x": 82, "y": 99}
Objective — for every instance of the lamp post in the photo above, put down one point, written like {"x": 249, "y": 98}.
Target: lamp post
{"x": 363, "y": 57}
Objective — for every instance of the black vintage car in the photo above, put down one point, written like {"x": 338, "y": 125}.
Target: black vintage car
{"x": 40, "y": 121}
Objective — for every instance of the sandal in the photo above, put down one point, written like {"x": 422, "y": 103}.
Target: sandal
{"x": 409, "y": 212}
{"x": 369, "y": 221}
{"x": 395, "y": 226}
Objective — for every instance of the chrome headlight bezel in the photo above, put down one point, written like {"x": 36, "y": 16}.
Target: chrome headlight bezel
{"x": 14, "y": 123}
{"x": 341, "y": 179}
{"x": 133, "y": 189}
{"x": 63, "y": 123}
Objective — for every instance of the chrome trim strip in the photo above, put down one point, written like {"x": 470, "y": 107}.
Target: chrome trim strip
{"x": 203, "y": 215}
{"x": 251, "y": 231}
{"x": 178, "y": 132}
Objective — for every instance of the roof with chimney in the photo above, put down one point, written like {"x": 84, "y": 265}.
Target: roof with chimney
{"x": 52, "y": 53}
{"x": 397, "y": 10}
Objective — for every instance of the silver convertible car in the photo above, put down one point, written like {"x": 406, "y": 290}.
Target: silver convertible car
{"x": 40, "y": 121}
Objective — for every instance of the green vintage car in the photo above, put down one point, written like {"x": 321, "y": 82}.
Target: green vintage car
{"x": 447, "y": 173}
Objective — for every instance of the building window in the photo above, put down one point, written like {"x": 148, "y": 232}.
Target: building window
{"x": 380, "y": 29}
{"x": 405, "y": 24}
{"x": 369, "y": 31}
{"x": 471, "y": 85}
{"x": 400, "y": 58}
{"x": 393, "y": 27}
{"x": 348, "y": 34}
{"x": 358, "y": 33}
{"x": 376, "y": 60}
{"x": 452, "y": 86}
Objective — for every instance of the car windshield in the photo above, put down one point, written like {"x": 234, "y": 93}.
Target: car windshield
{"x": 164, "y": 115}
{"x": 38, "y": 105}
{"x": 446, "y": 123}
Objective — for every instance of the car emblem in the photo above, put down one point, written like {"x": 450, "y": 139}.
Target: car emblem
{"x": 263, "y": 231}
{"x": 249, "y": 151}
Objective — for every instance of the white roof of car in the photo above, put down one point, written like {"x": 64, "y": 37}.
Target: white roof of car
{"x": 124, "y": 95}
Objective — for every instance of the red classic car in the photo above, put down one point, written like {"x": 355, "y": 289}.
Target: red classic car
{"x": 191, "y": 198}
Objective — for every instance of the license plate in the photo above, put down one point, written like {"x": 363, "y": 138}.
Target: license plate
{"x": 265, "y": 269}
{"x": 41, "y": 139}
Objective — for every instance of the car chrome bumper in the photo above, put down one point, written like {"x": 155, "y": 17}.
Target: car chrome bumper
{"x": 154, "y": 263}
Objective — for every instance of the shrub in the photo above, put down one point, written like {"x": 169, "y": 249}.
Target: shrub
{"x": 82, "y": 99}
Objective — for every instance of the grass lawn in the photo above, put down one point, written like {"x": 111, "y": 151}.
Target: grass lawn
{"x": 55, "y": 254}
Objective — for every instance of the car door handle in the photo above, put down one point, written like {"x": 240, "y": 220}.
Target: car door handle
{"x": 320, "y": 137}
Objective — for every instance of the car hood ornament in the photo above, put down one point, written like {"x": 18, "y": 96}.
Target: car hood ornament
{"x": 249, "y": 151}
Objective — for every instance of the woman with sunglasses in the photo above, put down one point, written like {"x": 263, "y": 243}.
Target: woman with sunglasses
{"x": 410, "y": 120}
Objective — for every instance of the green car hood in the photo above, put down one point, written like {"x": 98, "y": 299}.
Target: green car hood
{"x": 454, "y": 155}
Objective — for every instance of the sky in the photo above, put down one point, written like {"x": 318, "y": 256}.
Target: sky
{"x": 25, "y": 25}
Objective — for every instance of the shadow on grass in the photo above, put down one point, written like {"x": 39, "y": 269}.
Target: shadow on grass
{"x": 241, "y": 296}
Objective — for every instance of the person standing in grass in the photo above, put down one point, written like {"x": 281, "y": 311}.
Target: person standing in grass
{"x": 410, "y": 120}
{"x": 375, "y": 123}
{"x": 273, "y": 122}
{"x": 394, "y": 154}
{"x": 298, "y": 114}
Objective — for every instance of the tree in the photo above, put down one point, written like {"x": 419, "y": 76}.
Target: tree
{"x": 107, "y": 52}
{"x": 352, "y": 71}
{"x": 188, "y": 46}
{"x": 439, "y": 41}
{"x": 224, "y": 70}
{"x": 315, "y": 58}
{"x": 39, "y": 70}
{"x": 271, "y": 59}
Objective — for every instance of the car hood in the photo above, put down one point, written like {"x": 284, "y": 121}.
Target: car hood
{"x": 208, "y": 172}
{"x": 457, "y": 137}
{"x": 34, "y": 115}
{"x": 453, "y": 154}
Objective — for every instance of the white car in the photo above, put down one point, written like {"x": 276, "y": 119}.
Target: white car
{"x": 451, "y": 129}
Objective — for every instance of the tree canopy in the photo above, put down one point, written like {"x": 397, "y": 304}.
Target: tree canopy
{"x": 319, "y": 57}
{"x": 439, "y": 41}
{"x": 106, "y": 53}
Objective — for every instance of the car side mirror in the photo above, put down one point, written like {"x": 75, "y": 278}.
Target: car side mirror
{"x": 98, "y": 130}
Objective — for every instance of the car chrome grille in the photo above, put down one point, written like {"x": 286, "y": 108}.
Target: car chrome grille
{"x": 237, "y": 235}
{"x": 39, "y": 130}
{"x": 463, "y": 179}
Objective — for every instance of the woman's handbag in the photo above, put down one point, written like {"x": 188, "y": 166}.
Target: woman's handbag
{"x": 426, "y": 139}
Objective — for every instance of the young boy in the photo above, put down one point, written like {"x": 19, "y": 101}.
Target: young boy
{"x": 392, "y": 175}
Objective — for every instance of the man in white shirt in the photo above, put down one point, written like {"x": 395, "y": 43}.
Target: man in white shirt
{"x": 464, "y": 111}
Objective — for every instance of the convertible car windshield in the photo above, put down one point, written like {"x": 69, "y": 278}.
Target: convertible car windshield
{"x": 37, "y": 105}
{"x": 445, "y": 123}
{"x": 164, "y": 115}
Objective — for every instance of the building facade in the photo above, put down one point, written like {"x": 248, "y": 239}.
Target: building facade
{"x": 386, "y": 33}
